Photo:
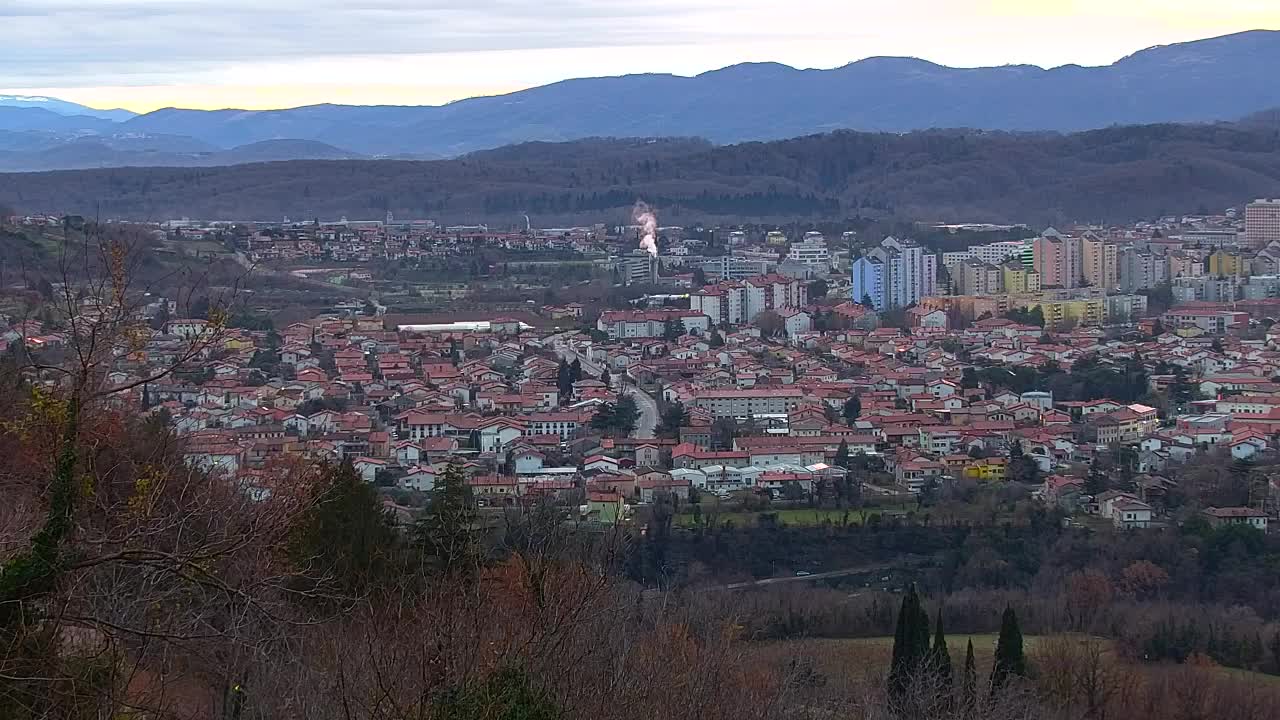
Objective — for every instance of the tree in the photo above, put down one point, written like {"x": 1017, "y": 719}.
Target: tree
{"x": 817, "y": 289}
{"x": 626, "y": 415}
{"x": 852, "y": 409}
{"x": 910, "y": 650}
{"x": 770, "y": 323}
{"x": 606, "y": 378}
{"x": 672, "y": 329}
{"x": 1009, "y": 660}
{"x": 842, "y": 454}
{"x": 575, "y": 370}
{"x": 674, "y": 416}
{"x": 345, "y": 545}
{"x": 969, "y": 687}
{"x": 940, "y": 657}
{"x": 867, "y": 301}
{"x": 699, "y": 277}
{"x": 716, "y": 340}
{"x": 564, "y": 380}
{"x": 508, "y": 694}
{"x": 445, "y": 531}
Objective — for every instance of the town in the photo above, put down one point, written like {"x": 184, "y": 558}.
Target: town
{"x": 732, "y": 367}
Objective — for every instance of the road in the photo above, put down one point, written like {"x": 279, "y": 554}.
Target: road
{"x": 806, "y": 578}
{"x": 647, "y": 425}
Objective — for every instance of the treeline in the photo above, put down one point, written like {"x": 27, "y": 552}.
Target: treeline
{"x": 1113, "y": 175}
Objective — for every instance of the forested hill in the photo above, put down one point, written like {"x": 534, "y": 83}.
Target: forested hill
{"x": 1117, "y": 174}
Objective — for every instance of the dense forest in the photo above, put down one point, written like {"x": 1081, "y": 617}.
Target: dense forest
{"x": 1117, "y": 174}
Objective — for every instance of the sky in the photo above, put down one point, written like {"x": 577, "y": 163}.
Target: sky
{"x": 257, "y": 54}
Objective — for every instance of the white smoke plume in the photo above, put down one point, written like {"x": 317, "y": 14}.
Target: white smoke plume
{"x": 644, "y": 216}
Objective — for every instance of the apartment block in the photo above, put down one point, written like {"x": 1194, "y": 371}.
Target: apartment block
{"x": 1261, "y": 223}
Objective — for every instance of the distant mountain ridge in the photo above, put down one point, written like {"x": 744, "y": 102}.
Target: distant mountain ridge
{"x": 1218, "y": 79}
{"x": 121, "y": 151}
{"x": 63, "y": 107}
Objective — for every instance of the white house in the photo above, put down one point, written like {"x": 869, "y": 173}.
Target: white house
{"x": 1129, "y": 514}
{"x": 367, "y": 468}
{"x": 420, "y": 477}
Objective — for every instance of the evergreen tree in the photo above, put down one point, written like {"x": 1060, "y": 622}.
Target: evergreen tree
{"x": 344, "y": 545}
{"x": 716, "y": 340}
{"x": 910, "y": 649}
{"x": 852, "y": 409}
{"x": 969, "y": 688}
{"x": 940, "y": 657}
{"x": 842, "y": 455}
{"x": 564, "y": 380}
{"x": 672, "y": 329}
{"x": 606, "y": 378}
{"x": 575, "y": 370}
{"x": 1009, "y": 660}
{"x": 445, "y": 530}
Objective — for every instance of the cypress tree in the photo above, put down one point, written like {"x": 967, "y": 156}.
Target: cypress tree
{"x": 842, "y": 455}
{"x": 1010, "y": 659}
{"x": 969, "y": 690}
{"x": 940, "y": 657}
{"x": 910, "y": 647}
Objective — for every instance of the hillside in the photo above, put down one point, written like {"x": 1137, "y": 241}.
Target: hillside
{"x": 1116, "y": 174}
{"x": 1209, "y": 80}
{"x": 30, "y": 152}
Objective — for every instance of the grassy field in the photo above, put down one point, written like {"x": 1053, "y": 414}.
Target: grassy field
{"x": 873, "y": 654}
{"x": 795, "y": 516}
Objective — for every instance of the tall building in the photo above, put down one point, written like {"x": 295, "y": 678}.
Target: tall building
{"x": 1099, "y": 263}
{"x": 639, "y": 268}
{"x": 974, "y": 277}
{"x": 1261, "y": 223}
{"x": 868, "y": 281}
{"x": 1057, "y": 259}
{"x": 896, "y": 274}
{"x": 1223, "y": 263}
{"x": 1017, "y": 279}
{"x": 928, "y": 275}
{"x": 1141, "y": 269}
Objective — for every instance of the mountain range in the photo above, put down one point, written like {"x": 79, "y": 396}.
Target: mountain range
{"x": 1209, "y": 80}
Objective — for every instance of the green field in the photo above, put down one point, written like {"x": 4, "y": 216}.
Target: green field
{"x": 797, "y": 516}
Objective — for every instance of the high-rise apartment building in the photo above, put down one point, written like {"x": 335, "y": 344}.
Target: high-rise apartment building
{"x": 974, "y": 277}
{"x": 1099, "y": 263}
{"x": 1261, "y": 223}
{"x": 868, "y": 282}
{"x": 1057, "y": 259}
{"x": 896, "y": 274}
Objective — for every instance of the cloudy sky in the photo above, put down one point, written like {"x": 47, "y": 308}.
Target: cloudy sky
{"x": 145, "y": 54}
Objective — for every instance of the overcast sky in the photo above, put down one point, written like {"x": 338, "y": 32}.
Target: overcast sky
{"x": 144, "y": 54}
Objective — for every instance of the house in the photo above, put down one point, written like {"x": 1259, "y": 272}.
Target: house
{"x": 600, "y": 463}
{"x": 1219, "y": 517}
{"x": 987, "y": 469}
{"x": 367, "y": 468}
{"x": 650, "y": 485}
{"x": 527, "y": 461}
{"x": 648, "y": 456}
{"x": 915, "y": 473}
{"x": 419, "y": 477}
{"x": 606, "y": 508}
{"x": 1245, "y": 446}
{"x": 1130, "y": 514}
